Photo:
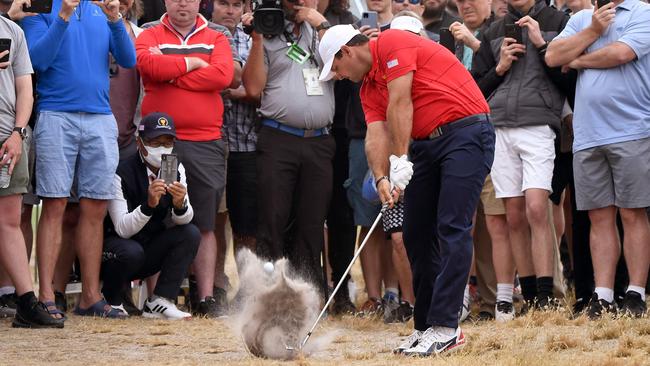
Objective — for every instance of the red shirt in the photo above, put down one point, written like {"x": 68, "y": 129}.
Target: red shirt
{"x": 443, "y": 90}
{"x": 193, "y": 98}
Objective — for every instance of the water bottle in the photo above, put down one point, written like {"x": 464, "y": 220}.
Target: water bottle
{"x": 5, "y": 177}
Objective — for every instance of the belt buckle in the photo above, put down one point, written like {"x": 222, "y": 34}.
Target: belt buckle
{"x": 437, "y": 132}
{"x": 309, "y": 133}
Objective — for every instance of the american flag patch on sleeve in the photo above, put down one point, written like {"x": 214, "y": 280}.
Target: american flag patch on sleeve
{"x": 392, "y": 63}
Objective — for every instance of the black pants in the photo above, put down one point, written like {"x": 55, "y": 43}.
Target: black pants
{"x": 171, "y": 252}
{"x": 294, "y": 181}
{"x": 241, "y": 195}
{"x": 340, "y": 223}
{"x": 439, "y": 204}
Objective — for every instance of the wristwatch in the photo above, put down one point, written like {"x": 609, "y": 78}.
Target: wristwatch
{"x": 119, "y": 17}
{"x": 22, "y": 131}
{"x": 323, "y": 26}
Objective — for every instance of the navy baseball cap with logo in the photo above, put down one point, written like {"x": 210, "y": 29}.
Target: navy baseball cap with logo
{"x": 156, "y": 124}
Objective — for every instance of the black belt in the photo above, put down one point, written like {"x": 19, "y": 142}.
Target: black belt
{"x": 454, "y": 125}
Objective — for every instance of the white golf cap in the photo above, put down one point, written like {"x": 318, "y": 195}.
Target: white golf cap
{"x": 407, "y": 23}
{"x": 332, "y": 41}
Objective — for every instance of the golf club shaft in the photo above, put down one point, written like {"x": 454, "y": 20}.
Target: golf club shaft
{"x": 345, "y": 274}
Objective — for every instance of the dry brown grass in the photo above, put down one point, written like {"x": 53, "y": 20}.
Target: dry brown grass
{"x": 536, "y": 339}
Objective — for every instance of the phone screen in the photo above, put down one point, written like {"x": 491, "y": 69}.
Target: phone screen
{"x": 169, "y": 168}
{"x": 602, "y": 3}
{"x": 514, "y": 31}
{"x": 39, "y": 6}
{"x": 370, "y": 19}
{"x": 5, "y": 45}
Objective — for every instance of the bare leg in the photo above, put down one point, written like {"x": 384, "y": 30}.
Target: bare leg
{"x": 204, "y": 264}
{"x": 220, "y": 279}
{"x": 558, "y": 219}
{"x": 519, "y": 233}
{"x": 637, "y": 239}
{"x": 48, "y": 244}
{"x": 403, "y": 268}
{"x": 89, "y": 243}
{"x": 605, "y": 245}
{"x": 13, "y": 254}
{"x": 68, "y": 252}
{"x": 26, "y": 228}
{"x": 370, "y": 262}
{"x": 504, "y": 267}
{"x": 388, "y": 270}
{"x": 540, "y": 227}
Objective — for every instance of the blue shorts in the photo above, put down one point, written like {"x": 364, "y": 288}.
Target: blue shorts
{"x": 364, "y": 211}
{"x": 81, "y": 146}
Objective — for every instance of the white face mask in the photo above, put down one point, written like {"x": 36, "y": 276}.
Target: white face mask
{"x": 154, "y": 155}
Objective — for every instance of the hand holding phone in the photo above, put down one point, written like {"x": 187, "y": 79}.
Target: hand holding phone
{"x": 5, "y": 49}
{"x": 603, "y": 16}
{"x": 370, "y": 19}
{"x": 38, "y": 6}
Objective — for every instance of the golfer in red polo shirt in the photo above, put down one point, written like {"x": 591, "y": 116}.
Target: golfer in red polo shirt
{"x": 414, "y": 89}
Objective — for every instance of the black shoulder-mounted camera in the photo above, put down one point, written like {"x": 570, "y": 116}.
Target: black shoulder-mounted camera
{"x": 268, "y": 18}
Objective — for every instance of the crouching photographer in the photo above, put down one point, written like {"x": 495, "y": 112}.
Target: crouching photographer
{"x": 139, "y": 243}
{"x": 295, "y": 149}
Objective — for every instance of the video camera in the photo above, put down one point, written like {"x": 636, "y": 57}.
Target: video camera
{"x": 268, "y": 18}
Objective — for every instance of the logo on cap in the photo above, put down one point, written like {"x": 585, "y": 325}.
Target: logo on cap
{"x": 163, "y": 123}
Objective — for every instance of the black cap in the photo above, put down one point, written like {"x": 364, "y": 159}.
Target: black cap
{"x": 156, "y": 124}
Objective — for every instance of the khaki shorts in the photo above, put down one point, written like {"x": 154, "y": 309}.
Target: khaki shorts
{"x": 20, "y": 176}
{"x": 491, "y": 204}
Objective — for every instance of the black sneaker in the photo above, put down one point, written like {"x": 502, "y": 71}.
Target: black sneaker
{"x": 547, "y": 304}
{"x": 221, "y": 297}
{"x": 343, "y": 305}
{"x": 633, "y": 305}
{"x": 209, "y": 308}
{"x": 599, "y": 307}
{"x": 8, "y": 305}
{"x": 127, "y": 302}
{"x": 35, "y": 315}
{"x": 401, "y": 314}
{"x": 60, "y": 301}
{"x": 579, "y": 306}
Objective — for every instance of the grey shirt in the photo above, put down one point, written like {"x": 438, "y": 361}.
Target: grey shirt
{"x": 285, "y": 98}
{"x": 20, "y": 65}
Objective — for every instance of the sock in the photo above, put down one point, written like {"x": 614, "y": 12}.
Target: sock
{"x": 26, "y": 299}
{"x": 604, "y": 293}
{"x": 504, "y": 292}
{"x": 446, "y": 331}
{"x": 7, "y": 290}
{"x": 638, "y": 289}
{"x": 544, "y": 287}
{"x": 392, "y": 292}
{"x": 528, "y": 287}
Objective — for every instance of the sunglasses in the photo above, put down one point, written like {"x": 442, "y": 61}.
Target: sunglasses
{"x": 412, "y": 2}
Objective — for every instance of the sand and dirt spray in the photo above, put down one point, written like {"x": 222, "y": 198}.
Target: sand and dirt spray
{"x": 275, "y": 310}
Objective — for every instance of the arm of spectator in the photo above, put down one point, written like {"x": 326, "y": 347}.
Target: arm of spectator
{"x": 236, "y": 77}
{"x": 24, "y": 99}
{"x": 400, "y": 113}
{"x": 43, "y": 41}
{"x": 484, "y": 68}
{"x": 155, "y": 65}
{"x": 121, "y": 46}
{"x": 254, "y": 74}
{"x": 573, "y": 41}
{"x": 16, "y": 12}
{"x": 612, "y": 55}
{"x": 462, "y": 34}
{"x": 188, "y": 215}
{"x": 240, "y": 94}
{"x": 218, "y": 75}
{"x": 126, "y": 223}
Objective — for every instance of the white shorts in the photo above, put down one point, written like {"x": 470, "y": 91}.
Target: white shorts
{"x": 523, "y": 159}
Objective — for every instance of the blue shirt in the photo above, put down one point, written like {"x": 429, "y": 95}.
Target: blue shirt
{"x": 613, "y": 105}
{"x": 72, "y": 58}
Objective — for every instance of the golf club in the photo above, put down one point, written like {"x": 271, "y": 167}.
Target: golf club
{"x": 343, "y": 277}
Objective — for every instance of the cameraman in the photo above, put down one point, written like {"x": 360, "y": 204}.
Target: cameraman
{"x": 295, "y": 149}
{"x": 138, "y": 242}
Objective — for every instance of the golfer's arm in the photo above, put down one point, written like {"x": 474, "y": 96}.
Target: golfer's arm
{"x": 400, "y": 113}
{"x": 378, "y": 148}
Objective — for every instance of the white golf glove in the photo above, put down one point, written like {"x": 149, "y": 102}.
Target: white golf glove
{"x": 401, "y": 171}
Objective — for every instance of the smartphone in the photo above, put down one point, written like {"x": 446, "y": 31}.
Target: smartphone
{"x": 5, "y": 45}
{"x": 39, "y": 6}
{"x": 169, "y": 168}
{"x": 370, "y": 19}
{"x": 601, "y": 3}
{"x": 447, "y": 40}
{"x": 514, "y": 31}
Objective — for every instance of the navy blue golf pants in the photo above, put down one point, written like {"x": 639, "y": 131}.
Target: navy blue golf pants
{"x": 440, "y": 200}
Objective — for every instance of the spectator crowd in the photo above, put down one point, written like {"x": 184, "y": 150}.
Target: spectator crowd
{"x": 143, "y": 130}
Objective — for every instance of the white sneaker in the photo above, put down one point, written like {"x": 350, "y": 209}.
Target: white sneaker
{"x": 465, "y": 308}
{"x": 504, "y": 311}
{"x": 161, "y": 308}
{"x": 409, "y": 342}
{"x": 434, "y": 341}
{"x": 120, "y": 307}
